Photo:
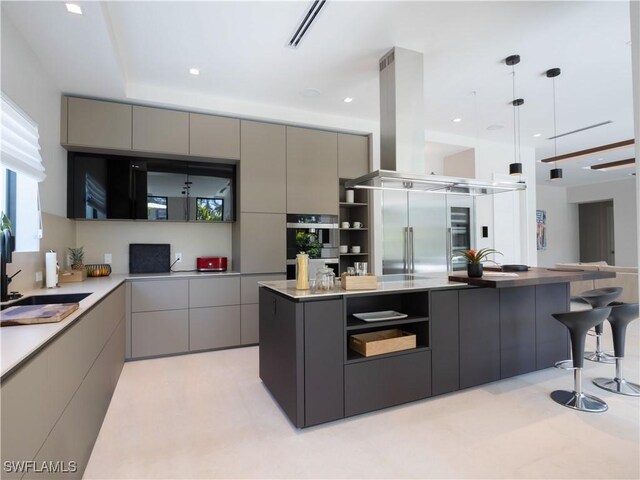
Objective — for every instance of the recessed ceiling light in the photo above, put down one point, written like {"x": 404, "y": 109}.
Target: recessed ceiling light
{"x": 73, "y": 8}
{"x": 347, "y": 100}
{"x": 537, "y": 134}
{"x": 456, "y": 120}
{"x": 495, "y": 126}
{"x": 194, "y": 71}
{"x": 310, "y": 92}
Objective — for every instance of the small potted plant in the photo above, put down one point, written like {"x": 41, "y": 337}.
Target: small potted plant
{"x": 475, "y": 259}
{"x": 77, "y": 258}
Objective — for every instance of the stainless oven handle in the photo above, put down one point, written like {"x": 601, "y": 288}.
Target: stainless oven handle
{"x": 333, "y": 226}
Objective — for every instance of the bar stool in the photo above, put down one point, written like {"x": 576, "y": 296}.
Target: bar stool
{"x": 579, "y": 324}
{"x": 621, "y": 315}
{"x": 600, "y": 297}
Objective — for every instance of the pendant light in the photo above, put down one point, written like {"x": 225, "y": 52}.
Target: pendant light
{"x": 515, "y": 168}
{"x": 556, "y": 173}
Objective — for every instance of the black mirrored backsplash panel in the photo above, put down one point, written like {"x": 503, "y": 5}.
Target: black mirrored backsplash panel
{"x": 102, "y": 187}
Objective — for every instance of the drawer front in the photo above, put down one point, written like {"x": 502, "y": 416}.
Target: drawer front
{"x": 159, "y": 333}
{"x": 214, "y": 292}
{"x": 249, "y": 324}
{"x": 157, "y": 295}
{"x": 249, "y": 285}
{"x": 214, "y": 327}
{"x": 376, "y": 384}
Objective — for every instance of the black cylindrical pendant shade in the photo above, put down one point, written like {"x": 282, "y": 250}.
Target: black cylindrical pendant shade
{"x": 556, "y": 174}
{"x": 515, "y": 169}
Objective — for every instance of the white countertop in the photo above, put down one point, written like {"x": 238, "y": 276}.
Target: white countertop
{"x": 178, "y": 274}
{"x": 20, "y": 342}
{"x": 386, "y": 283}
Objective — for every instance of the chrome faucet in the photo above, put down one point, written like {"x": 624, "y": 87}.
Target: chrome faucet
{"x": 5, "y": 257}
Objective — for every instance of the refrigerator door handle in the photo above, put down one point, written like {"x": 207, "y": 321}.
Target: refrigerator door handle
{"x": 406, "y": 250}
{"x": 449, "y": 251}
{"x": 412, "y": 264}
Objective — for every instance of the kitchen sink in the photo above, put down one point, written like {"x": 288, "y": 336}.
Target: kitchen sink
{"x": 48, "y": 299}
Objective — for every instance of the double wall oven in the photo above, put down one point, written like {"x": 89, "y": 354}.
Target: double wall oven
{"x": 316, "y": 235}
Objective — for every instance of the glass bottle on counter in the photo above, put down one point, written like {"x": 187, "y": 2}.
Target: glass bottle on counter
{"x": 325, "y": 279}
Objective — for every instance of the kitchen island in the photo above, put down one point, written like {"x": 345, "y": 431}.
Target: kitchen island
{"x": 465, "y": 336}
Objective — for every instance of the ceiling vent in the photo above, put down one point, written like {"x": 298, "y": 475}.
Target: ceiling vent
{"x": 306, "y": 22}
{"x": 581, "y": 129}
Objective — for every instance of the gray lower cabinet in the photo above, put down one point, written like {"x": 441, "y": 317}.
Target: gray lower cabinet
{"x": 170, "y": 316}
{"x": 154, "y": 295}
{"x": 384, "y": 382}
{"x": 214, "y": 292}
{"x": 552, "y": 338}
{"x": 249, "y": 310}
{"x": 214, "y": 327}
{"x": 53, "y": 406}
{"x": 281, "y": 352}
{"x": 312, "y": 171}
{"x": 445, "y": 351}
{"x": 96, "y": 123}
{"x": 517, "y": 331}
{"x": 159, "y": 333}
{"x": 479, "y": 336}
{"x": 160, "y": 130}
{"x": 323, "y": 361}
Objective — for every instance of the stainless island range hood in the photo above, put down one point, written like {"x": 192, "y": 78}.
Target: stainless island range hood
{"x": 402, "y": 159}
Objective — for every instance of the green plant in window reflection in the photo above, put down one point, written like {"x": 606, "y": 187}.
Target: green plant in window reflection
{"x": 6, "y": 223}
{"x": 308, "y": 242}
{"x": 209, "y": 209}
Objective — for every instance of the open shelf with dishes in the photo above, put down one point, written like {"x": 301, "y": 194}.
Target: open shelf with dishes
{"x": 402, "y": 316}
{"x": 354, "y": 227}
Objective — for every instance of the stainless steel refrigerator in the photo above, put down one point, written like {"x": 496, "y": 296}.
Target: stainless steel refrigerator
{"x": 421, "y": 231}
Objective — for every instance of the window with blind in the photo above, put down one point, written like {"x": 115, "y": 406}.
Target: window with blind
{"x": 21, "y": 171}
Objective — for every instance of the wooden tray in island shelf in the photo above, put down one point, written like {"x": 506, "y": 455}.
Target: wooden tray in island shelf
{"x": 384, "y": 341}
{"x": 358, "y": 282}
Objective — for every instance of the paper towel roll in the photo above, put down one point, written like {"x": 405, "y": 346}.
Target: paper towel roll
{"x": 51, "y": 268}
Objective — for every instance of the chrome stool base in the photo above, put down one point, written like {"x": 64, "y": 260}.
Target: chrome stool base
{"x": 600, "y": 357}
{"x": 582, "y": 402}
{"x": 565, "y": 364}
{"x": 618, "y": 385}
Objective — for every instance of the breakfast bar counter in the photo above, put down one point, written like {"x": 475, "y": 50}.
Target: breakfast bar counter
{"x": 454, "y": 333}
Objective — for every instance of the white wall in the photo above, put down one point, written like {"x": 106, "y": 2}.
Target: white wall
{"x": 25, "y": 81}
{"x": 190, "y": 239}
{"x": 625, "y": 211}
{"x": 563, "y": 239}
{"x": 462, "y": 164}
{"x": 27, "y": 84}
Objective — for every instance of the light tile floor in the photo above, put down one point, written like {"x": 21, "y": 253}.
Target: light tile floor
{"x": 209, "y": 416}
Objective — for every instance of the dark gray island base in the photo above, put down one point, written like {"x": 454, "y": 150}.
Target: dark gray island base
{"x": 465, "y": 336}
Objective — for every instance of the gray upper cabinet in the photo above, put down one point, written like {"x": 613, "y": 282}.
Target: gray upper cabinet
{"x": 263, "y": 169}
{"x": 94, "y": 123}
{"x": 353, "y": 155}
{"x": 215, "y": 137}
{"x": 312, "y": 171}
{"x": 263, "y": 246}
{"x": 159, "y": 130}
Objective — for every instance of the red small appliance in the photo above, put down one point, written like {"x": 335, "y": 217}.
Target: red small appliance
{"x": 211, "y": 264}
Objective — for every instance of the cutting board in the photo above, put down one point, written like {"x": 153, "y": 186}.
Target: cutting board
{"x": 31, "y": 314}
